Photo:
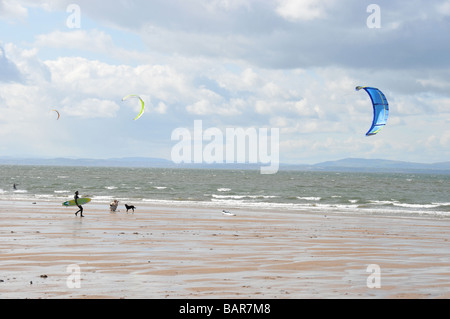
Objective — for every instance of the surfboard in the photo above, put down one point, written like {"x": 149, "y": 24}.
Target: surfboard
{"x": 81, "y": 201}
{"x": 227, "y": 213}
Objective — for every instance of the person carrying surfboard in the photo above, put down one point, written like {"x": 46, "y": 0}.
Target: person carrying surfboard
{"x": 79, "y": 206}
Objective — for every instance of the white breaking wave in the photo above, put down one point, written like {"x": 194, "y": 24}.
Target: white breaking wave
{"x": 310, "y": 198}
{"x": 102, "y": 198}
{"x": 242, "y": 196}
{"x": 383, "y": 202}
{"x": 442, "y": 204}
{"x": 416, "y": 205}
{"x": 407, "y": 205}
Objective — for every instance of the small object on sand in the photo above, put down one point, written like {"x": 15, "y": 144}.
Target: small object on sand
{"x": 43, "y": 276}
{"x": 227, "y": 213}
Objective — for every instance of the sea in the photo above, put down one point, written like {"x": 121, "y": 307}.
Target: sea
{"x": 391, "y": 194}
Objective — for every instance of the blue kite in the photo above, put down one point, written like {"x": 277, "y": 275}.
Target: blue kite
{"x": 380, "y": 109}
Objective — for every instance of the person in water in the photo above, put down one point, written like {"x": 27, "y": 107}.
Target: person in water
{"x": 79, "y": 206}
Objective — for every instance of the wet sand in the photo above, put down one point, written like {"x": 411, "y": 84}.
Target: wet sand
{"x": 187, "y": 252}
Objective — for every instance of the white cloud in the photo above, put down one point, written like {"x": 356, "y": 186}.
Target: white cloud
{"x": 79, "y": 76}
{"x": 161, "y": 108}
{"x": 8, "y": 70}
{"x": 86, "y": 41}
{"x": 211, "y": 103}
{"x": 443, "y": 8}
{"x": 303, "y": 10}
{"x": 11, "y": 10}
{"x": 93, "y": 40}
{"x": 32, "y": 69}
{"x": 90, "y": 108}
{"x": 247, "y": 80}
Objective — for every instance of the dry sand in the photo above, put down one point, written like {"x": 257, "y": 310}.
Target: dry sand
{"x": 187, "y": 252}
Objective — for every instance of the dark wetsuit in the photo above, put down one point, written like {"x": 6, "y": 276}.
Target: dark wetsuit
{"x": 79, "y": 206}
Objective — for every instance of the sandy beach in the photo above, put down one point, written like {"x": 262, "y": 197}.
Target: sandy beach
{"x": 190, "y": 252}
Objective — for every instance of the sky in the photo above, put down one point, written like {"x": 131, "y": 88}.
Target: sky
{"x": 286, "y": 64}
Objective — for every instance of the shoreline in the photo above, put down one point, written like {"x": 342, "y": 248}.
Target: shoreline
{"x": 284, "y": 208}
{"x": 197, "y": 252}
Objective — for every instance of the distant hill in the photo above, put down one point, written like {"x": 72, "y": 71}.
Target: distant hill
{"x": 347, "y": 164}
{"x": 112, "y": 162}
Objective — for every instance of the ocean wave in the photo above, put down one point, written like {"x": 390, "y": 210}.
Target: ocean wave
{"x": 442, "y": 204}
{"x": 224, "y": 189}
{"x": 306, "y": 207}
{"x": 45, "y": 196}
{"x": 406, "y": 205}
{"x": 382, "y": 202}
{"x": 243, "y": 196}
{"x": 100, "y": 198}
{"x": 310, "y": 198}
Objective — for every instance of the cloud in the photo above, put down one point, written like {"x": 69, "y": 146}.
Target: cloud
{"x": 443, "y": 8}
{"x": 217, "y": 106}
{"x": 285, "y": 34}
{"x": 90, "y": 108}
{"x": 93, "y": 40}
{"x": 82, "y": 42}
{"x": 12, "y": 10}
{"x": 80, "y": 76}
{"x": 8, "y": 70}
{"x": 304, "y": 10}
{"x": 27, "y": 63}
